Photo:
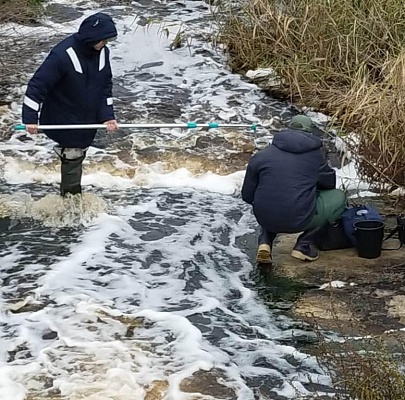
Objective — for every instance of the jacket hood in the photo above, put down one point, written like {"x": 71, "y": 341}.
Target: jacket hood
{"x": 97, "y": 27}
{"x": 294, "y": 141}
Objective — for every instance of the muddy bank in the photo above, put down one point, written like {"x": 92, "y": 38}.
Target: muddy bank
{"x": 364, "y": 296}
{"x": 340, "y": 291}
{"x": 348, "y": 293}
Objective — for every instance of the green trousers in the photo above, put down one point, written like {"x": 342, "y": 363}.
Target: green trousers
{"x": 330, "y": 205}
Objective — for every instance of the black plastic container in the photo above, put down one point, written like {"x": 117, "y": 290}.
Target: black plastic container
{"x": 369, "y": 238}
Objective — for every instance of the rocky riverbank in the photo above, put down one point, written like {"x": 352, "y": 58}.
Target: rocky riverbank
{"x": 344, "y": 292}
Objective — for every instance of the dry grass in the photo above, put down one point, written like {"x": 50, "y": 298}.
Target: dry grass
{"x": 342, "y": 57}
{"x": 366, "y": 369}
{"x": 14, "y": 47}
{"x": 363, "y": 367}
{"x": 21, "y": 11}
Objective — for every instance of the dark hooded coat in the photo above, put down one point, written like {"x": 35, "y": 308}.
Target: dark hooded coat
{"x": 74, "y": 84}
{"x": 282, "y": 180}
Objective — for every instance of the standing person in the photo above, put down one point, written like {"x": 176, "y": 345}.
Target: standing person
{"x": 292, "y": 189}
{"x": 74, "y": 86}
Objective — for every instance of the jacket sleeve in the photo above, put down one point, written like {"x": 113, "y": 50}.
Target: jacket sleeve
{"x": 106, "y": 108}
{"x": 251, "y": 181}
{"x": 326, "y": 176}
{"x": 44, "y": 79}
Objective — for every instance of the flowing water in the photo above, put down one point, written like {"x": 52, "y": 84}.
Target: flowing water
{"x": 147, "y": 288}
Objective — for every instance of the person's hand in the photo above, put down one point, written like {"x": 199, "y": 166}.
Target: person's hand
{"x": 112, "y": 125}
{"x": 32, "y": 129}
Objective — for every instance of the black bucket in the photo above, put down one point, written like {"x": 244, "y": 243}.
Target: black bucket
{"x": 369, "y": 238}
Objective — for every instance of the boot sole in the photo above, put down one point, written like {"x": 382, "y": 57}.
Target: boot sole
{"x": 263, "y": 257}
{"x": 301, "y": 256}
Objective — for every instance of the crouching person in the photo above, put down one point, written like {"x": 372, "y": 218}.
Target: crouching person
{"x": 292, "y": 189}
{"x": 74, "y": 86}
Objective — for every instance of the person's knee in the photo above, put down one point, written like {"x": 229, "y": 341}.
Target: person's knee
{"x": 70, "y": 153}
{"x": 339, "y": 203}
{"x": 340, "y": 197}
{"x": 341, "y": 194}
{"x": 334, "y": 204}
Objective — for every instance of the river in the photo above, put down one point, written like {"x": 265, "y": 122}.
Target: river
{"x": 147, "y": 288}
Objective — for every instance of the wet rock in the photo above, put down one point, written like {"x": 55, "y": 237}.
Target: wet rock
{"x": 144, "y": 76}
{"x": 396, "y": 308}
{"x": 157, "y": 390}
{"x": 92, "y": 328}
{"x": 157, "y": 234}
{"x": 208, "y": 383}
{"x": 129, "y": 321}
{"x": 4, "y": 110}
{"x": 60, "y": 13}
{"x": 26, "y": 305}
{"x": 372, "y": 301}
{"x": 299, "y": 339}
{"x": 53, "y": 394}
{"x": 21, "y": 352}
{"x": 322, "y": 307}
{"x": 25, "y": 138}
{"x": 264, "y": 385}
{"x": 50, "y": 335}
{"x": 248, "y": 148}
{"x": 151, "y": 65}
{"x": 203, "y": 142}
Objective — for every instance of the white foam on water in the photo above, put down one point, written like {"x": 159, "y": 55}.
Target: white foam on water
{"x": 53, "y": 210}
{"x": 105, "y": 285}
{"x": 208, "y": 181}
{"x": 57, "y": 211}
{"x": 14, "y": 206}
{"x": 149, "y": 176}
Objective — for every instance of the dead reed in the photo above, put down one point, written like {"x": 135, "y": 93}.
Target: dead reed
{"x": 14, "y": 48}
{"x": 20, "y": 11}
{"x": 365, "y": 369}
{"x": 343, "y": 57}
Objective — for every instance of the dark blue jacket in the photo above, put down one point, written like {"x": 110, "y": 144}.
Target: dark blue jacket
{"x": 74, "y": 84}
{"x": 281, "y": 181}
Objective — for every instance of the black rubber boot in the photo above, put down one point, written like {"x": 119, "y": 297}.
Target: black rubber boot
{"x": 305, "y": 248}
{"x": 71, "y": 171}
